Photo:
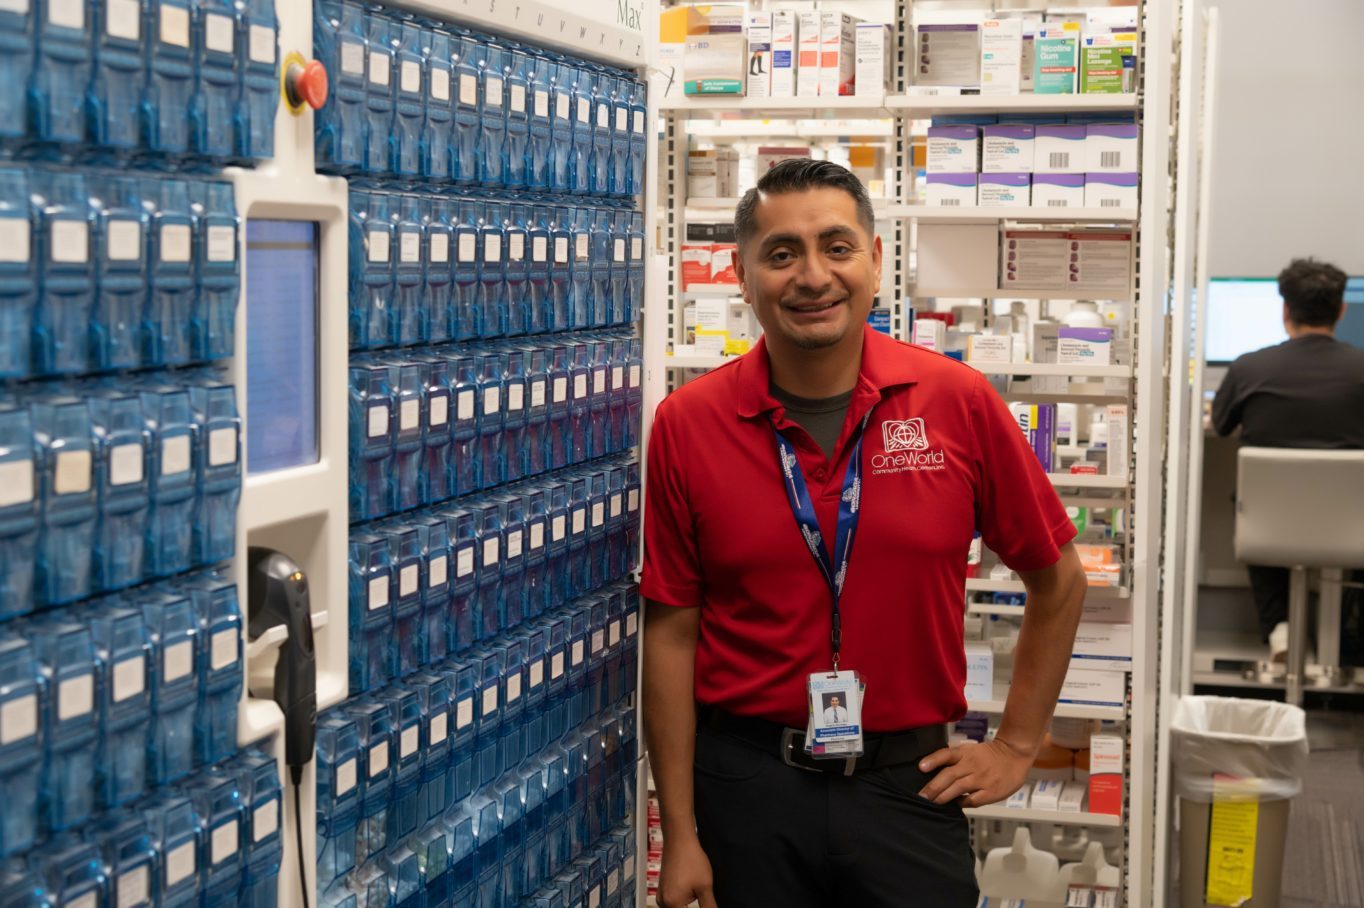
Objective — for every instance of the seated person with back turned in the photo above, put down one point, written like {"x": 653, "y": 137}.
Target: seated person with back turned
{"x": 1307, "y": 392}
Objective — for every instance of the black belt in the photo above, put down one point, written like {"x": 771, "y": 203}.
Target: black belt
{"x": 880, "y": 749}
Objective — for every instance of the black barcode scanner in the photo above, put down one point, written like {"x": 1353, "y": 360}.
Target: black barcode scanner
{"x": 277, "y": 593}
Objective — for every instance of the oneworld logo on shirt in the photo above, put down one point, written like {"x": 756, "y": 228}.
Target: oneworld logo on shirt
{"x": 906, "y": 449}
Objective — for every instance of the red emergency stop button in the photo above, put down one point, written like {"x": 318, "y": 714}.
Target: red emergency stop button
{"x": 306, "y": 83}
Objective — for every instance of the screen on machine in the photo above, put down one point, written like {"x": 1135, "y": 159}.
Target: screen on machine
{"x": 281, "y": 344}
{"x": 1244, "y": 314}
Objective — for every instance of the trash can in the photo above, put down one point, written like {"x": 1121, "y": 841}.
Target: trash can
{"x": 1237, "y": 765}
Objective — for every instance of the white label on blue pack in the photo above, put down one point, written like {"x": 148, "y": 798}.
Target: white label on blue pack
{"x": 598, "y": 513}
{"x": 178, "y": 661}
{"x": 437, "y": 571}
{"x": 584, "y": 110}
{"x": 518, "y": 98}
{"x": 440, "y": 248}
{"x": 75, "y": 697}
{"x": 14, "y": 240}
{"x": 582, "y": 247}
{"x": 594, "y": 897}
{"x": 516, "y": 396}
{"x": 440, "y": 84}
{"x": 440, "y": 410}
{"x": 634, "y": 375}
{"x": 537, "y": 394}
{"x": 618, "y": 249}
{"x": 490, "y": 551}
{"x": 556, "y": 665}
{"x": 580, "y": 386}
{"x": 66, "y": 13}
{"x": 513, "y": 687}
{"x": 175, "y": 455}
{"x": 179, "y": 863}
{"x": 464, "y": 562}
{"x": 612, "y": 883}
{"x": 222, "y": 243}
{"x": 223, "y": 651}
{"x": 464, "y": 406}
{"x": 598, "y": 381}
{"x": 492, "y": 93}
{"x": 579, "y": 520}
{"x": 631, "y": 624}
{"x": 622, "y": 119}
{"x": 492, "y": 248}
{"x": 122, "y": 19}
{"x": 410, "y": 77}
{"x": 409, "y": 414}
{"x": 219, "y": 33}
{"x": 408, "y": 741}
{"x": 345, "y": 777}
{"x": 560, "y": 250}
{"x": 613, "y": 633}
{"x": 130, "y": 678}
{"x": 378, "y": 758}
{"x": 561, "y": 107}
{"x": 617, "y": 377}
{"x": 542, "y": 104}
{"x": 603, "y": 116}
{"x": 639, "y": 122}
{"x": 174, "y": 25}
{"x": 636, "y": 249}
{"x": 557, "y": 528}
{"x": 132, "y": 890}
{"x": 514, "y": 544}
{"x": 265, "y": 820}
{"x": 468, "y": 90}
{"x": 224, "y": 842}
{"x": 632, "y": 500}
{"x": 410, "y": 246}
{"x": 516, "y": 246}
{"x": 537, "y": 536}
{"x": 630, "y": 867}
{"x": 598, "y": 640}
{"x": 262, "y": 48}
{"x": 123, "y": 240}
{"x": 492, "y": 400}
{"x": 72, "y": 473}
{"x": 380, "y": 65}
{"x": 70, "y": 241}
{"x": 560, "y": 389}
{"x": 352, "y": 58}
{"x": 377, "y": 423}
{"x": 175, "y": 242}
{"x": 439, "y": 728}
{"x": 125, "y": 465}
{"x": 18, "y": 719}
{"x": 468, "y": 247}
{"x": 616, "y": 504}
{"x": 222, "y": 447}
{"x": 539, "y": 248}
{"x": 464, "y": 713}
{"x": 536, "y": 673}
{"x": 85, "y": 900}
{"x": 378, "y": 592}
{"x": 16, "y": 482}
{"x": 577, "y": 652}
{"x": 378, "y": 245}
{"x": 407, "y": 580}
{"x": 490, "y": 700}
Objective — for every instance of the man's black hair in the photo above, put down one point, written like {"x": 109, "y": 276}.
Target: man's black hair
{"x": 799, "y": 175}
{"x": 1313, "y": 291}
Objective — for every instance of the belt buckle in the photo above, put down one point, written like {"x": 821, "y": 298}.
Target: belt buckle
{"x": 788, "y": 747}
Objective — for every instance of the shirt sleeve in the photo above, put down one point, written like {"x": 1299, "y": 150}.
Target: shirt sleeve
{"x": 1228, "y": 404}
{"x": 1018, "y": 514}
{"x": 671, "y": 573}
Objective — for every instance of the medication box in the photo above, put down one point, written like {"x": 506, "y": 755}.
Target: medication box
{"x": 1004, "y": 190}
{"x": 1105, "y": 774}
{"x": 1058, "y": 190}
{"x": 872, "y": 67}
{"x": 980, "y": 673}
{"x": 989, "y": 348}
{"x": 759, "y": 30}
{"x": 947, "y": 55}
{"x": 1059, "y": 148}
{"x": 953, "y": 149}
{"x": 951, "y": 189}
{"x": 703, "y": 174}
{"x": 837, "y": 41}
{"x": 714, "y": 65}
{"x": 1106, "y": 647}
{"x": 1056, "y": 59}
{"x": 770, "y": 156}
{"x": 1001, "y": 53}
{"x": 1108, "y": 63}
{"x": 1084, "y": 346}
{"x": 809, "y": 45}
{"x": 1088, "y": 687}
{"x": 1111, "y": 190}
{"x": 930, "y": 333}
{"x": 1111, "y": 148}
{"x": 783, "y": 82}
{"x": 1007, "y": 148}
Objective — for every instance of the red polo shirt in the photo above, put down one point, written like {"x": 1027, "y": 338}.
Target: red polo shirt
{"x": 942, "y": 458}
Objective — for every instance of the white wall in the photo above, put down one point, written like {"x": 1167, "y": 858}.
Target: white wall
{"x": 1286, "y": 173}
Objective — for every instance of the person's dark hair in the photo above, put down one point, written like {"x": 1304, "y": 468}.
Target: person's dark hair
{"x": 799, "y": 175}
{"x": 1313, "y": 291}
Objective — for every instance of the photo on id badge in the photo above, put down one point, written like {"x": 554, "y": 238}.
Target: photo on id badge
{"x": 835, "y": 710}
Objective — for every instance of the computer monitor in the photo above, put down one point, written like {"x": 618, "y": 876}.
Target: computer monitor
{"x": 1244, "y": 314}
{"x": 1351, "y": 327}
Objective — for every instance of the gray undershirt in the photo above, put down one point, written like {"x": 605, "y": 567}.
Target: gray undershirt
{"x": 822, "y": 419}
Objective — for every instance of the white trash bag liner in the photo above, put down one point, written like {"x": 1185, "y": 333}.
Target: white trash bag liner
{"x": 1258, "y": 740}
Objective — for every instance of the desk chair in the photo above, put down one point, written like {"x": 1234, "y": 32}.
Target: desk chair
{"x": 1304, "y": 510}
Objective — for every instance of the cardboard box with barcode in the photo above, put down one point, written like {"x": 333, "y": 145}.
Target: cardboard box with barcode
{"x": 954, "y": 190}
{"x": 1007, "y": 147}
{"x": 1111, "y": 148}
{"x": 715, "y": 64}
{"x": 703, "y": 180}
{"x": 1060, "y": 148}
{"x": 1058, "y": 190}
{"x": 1111, "y": 190}
{"x": 1004, "y": 190}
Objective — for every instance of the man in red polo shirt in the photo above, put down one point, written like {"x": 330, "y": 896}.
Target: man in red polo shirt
{"x": 761, "y": 475}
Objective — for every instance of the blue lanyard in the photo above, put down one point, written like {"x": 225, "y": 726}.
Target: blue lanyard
{"x": 834, "y": 571}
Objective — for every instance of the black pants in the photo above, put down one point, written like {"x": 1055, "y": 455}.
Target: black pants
{"x": 777, "y": 835}
{"x": 1269, "y": 586}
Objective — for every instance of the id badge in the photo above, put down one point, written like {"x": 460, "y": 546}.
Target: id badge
{"x": 835, "y": 727}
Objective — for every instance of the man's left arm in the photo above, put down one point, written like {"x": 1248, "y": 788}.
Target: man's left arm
{"x": 981, "y": 774}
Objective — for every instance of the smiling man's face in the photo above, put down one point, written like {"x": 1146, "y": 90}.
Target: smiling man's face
{"x": 810, "y": 270}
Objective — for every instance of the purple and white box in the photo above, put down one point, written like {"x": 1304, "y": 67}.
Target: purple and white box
{"x": 1058, "y": 190}
{"x": 1111, "y": 148}
{"x": 1084, "y": 346}
{"x": 953, "y": 149}
{"x": 1007, "y": 148}
{"x": 1111, "y": 190}
{"x": 954, "y": 190}
{"x": 1004, "y": 190}
{"x": 1059, "y": 148}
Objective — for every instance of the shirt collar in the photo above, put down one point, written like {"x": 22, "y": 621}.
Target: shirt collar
{"x": 884, "y": 366}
